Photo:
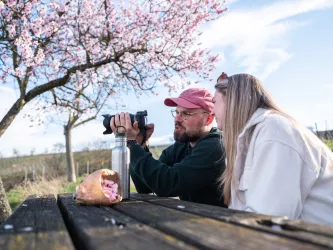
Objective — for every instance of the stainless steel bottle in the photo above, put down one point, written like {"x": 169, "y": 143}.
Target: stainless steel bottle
{"x": 120, "y": 163}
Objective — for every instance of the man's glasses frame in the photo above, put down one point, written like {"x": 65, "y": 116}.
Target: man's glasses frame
{"x": 185, "y": 115}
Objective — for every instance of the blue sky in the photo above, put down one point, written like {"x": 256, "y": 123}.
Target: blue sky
{"x": 287, "y": 44}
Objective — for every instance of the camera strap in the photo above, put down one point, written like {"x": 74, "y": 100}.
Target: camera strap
{"x": 144, "y": 134}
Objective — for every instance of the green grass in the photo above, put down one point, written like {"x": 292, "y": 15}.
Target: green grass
{"x": 70, "y": 187}
{"x": 329, "y": 143}
{"x": 15, "y": 196}
{"x": 133, "y": 189}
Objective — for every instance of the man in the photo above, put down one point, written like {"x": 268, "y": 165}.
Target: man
{"x": 190, "y": 167}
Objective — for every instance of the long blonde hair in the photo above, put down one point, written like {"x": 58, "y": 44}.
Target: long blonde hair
{"x": 244, "y": 94}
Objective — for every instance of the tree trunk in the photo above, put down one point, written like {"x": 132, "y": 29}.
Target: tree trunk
{"x": 71, "y": 176}
{"x": 5, "y": 209}
{"x": 11, "y": 114}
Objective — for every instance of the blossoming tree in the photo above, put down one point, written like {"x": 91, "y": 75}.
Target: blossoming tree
{"x": 45, "y": 43}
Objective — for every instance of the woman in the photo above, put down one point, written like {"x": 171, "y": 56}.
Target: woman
{"x": 274, "y": 165}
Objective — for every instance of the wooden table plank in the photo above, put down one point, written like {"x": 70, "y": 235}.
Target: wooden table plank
{"x": 205, "y": 233}
{"x": 25, "y": 241}
{"x": 319, "y": 235}
{"x": 94, "y": 227}
{"x": 36, "y": 224}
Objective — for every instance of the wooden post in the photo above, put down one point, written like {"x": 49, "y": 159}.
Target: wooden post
{"x": 43, "y": 172}
{"x": 77, "y": 169}
{"x": 87, "y": 167}
{"x": 25, "y": 176}
{"x": 316, "y": 129}
{"x": 33, "y": 174}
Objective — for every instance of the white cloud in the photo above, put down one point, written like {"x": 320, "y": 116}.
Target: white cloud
{"x": 229, "y": 2}
{"x": 257, "y": 37}
{"x": 166, "y": 139}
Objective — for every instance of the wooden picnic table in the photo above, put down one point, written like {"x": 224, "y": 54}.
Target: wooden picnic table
{"x": 150, "y": 222}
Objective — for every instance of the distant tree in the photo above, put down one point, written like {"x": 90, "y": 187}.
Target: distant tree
{"x": 32, "y": 151}
{"x": 85, "y": 149}
{"x": 16, "y": 152}
{"x": 58, "y": 148}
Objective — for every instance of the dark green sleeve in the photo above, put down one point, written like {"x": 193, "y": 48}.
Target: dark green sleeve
{"x": 166, "y": 156}
{"x": 199, "y": 169}
{"x": 140, "y": 186}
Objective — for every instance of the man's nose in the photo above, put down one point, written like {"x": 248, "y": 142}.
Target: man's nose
{"x": 178, "y": 118}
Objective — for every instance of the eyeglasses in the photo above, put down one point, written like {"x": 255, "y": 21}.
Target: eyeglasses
{"x": 185, "y": 115}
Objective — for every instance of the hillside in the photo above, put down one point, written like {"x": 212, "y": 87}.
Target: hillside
{"x": 19, "y": 170}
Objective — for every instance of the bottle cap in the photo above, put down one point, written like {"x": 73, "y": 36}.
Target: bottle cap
{"x": 121, "y": 134}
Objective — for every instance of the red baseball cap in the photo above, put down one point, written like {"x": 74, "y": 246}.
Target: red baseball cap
{"x": 192, "y": 98}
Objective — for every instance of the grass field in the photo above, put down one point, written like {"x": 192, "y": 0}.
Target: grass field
{"x": 56, "y": 186}
{"x": 329, "y": 143}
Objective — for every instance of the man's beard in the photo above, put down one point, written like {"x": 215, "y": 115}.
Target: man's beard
{"x": 185, "y": 137}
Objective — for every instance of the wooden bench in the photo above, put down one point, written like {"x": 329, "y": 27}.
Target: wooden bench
{"x": 36, "y": 224}
{"x": 150, "y": 222}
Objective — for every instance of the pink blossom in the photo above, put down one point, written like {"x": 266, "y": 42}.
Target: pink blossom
{"x": 11, "y": 30}
{"x": 4, "y": 78}
{"x": 132, "y": 34}
{"x": 11, "y": 3}
{"x": 56, "y": 65}
{"x": 18, "y": 72}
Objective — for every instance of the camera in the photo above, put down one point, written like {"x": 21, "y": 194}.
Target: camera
{"x": 140, "y": 116}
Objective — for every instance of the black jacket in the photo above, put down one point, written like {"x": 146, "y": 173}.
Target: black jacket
{"x": 190, "y": 173}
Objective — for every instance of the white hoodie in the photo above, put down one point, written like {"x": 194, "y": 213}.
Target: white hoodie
{"x": 278, "y": 174}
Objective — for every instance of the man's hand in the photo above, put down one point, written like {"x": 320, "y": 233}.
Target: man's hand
{"x": 133, "y": 132}
{"x": 124, "y": 120}
{"x": 149, "y": 132}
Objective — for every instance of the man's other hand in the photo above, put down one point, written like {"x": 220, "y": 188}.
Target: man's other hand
{"x": 149, "y": 132}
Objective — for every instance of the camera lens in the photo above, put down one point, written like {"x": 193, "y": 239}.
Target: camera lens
{"x": 106, "y": 124}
